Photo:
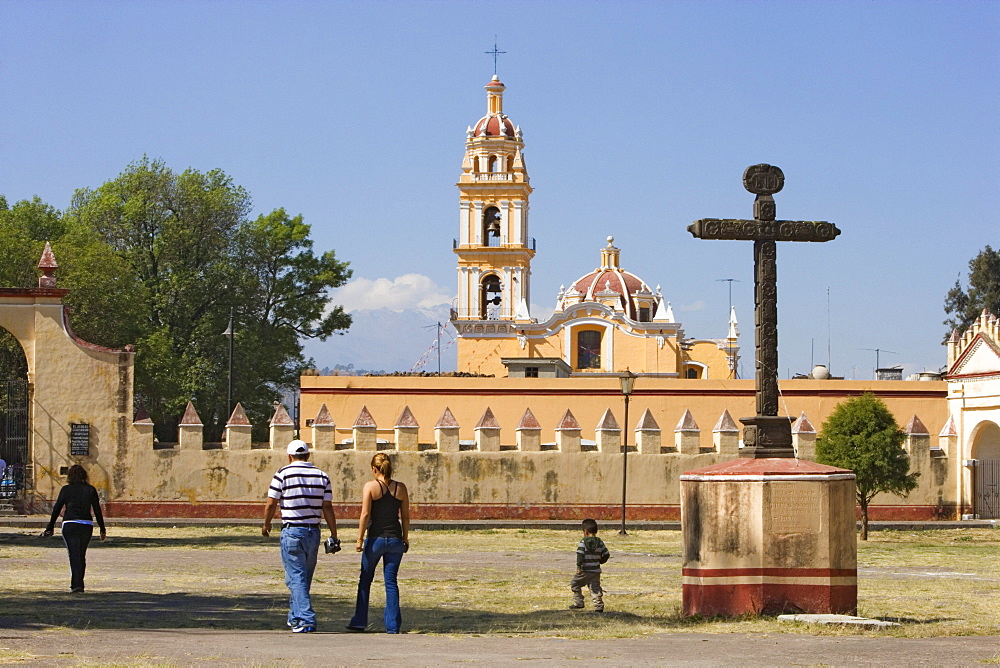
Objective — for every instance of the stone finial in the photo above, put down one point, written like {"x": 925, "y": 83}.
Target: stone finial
{"x": 687, "y": 422}
{"x": 446, "y": 432}
{"x": 190, "y": 431}
{"x": 568, "y": 421}
{"x": 915, "y": 427}
{"x": 528, "y": 421}
{"x": 803, "y": 425}
{"x": 48, "y": 265}
{"x": 238, "y": 418}
{"x": 608, "y": 422}
{"x": 528, "y": 433}
{"x": 687, "y": 435}
{"x": 281, "y": 417}
{"x": 487, "y": 432}
{"x": 647, "y": 422}
{"x": 364, "y": 419}
{"x": 647, "y": 434}
{"x": 488, "y": 421}
{"x": 191, "y": 417}
{"x": 726, "y": 435}
{"x": 142, "y": 416}
{"x": 725, "y": 423}
{"x": 323, "y": 418}
{"x": 239, "y": 433}
{"x": 407, "y": 431}
{"x": 406, "y": 418}
{"x": 324, "y": 435}
{"x": 447, "y": 420}
{"x": 804, "y": 438}
{"x": 949, "y": 429}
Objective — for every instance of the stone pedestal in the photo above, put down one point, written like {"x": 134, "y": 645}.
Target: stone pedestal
{"x": 769, "y": 536}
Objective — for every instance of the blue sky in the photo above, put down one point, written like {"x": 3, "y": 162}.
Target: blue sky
{"x": 638, "y": 118}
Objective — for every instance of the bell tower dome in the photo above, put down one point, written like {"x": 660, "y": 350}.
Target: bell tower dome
{"x": 493, "y": 247}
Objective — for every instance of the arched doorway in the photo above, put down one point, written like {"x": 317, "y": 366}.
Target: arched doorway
{"x": 14, "y": 416}
{"x": 986, "y": 485}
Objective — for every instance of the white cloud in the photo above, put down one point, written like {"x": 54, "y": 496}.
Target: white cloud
{"x": 695, "y": 306}
{"x": 402, "y": 292}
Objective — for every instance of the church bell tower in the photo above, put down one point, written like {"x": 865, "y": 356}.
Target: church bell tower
{"x": 493, "y": 248}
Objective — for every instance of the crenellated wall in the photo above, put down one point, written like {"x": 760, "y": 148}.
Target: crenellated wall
{"x": 482, "y": 468}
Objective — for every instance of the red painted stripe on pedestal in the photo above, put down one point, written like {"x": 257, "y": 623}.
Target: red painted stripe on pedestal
{"x": 769, "y": 599}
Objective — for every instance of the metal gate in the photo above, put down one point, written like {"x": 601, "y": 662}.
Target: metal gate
{"x": 988, "y": 489}
{"x": 14, "y": 422}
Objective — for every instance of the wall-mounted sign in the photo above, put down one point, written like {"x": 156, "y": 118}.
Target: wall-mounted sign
{"x": 79, "y": 439}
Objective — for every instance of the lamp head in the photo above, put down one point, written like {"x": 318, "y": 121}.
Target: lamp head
{"x": 627, "y": 380}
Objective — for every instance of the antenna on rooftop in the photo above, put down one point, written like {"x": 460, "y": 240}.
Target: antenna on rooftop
{"x": 877, "y": 352}
{"x": 730, "y": 281}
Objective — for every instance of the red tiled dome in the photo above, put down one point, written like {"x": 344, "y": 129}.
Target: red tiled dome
{"x": 494, "y": 126}
{"x": 613, "y": 280}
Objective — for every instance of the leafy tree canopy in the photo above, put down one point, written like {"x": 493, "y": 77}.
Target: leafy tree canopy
{"x": 983, "y": 293}
{"x": 160, "y": 260}
{"x": 862, "y": 435}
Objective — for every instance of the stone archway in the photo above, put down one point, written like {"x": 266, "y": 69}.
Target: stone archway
{"x": 14, "y": 417}
{"x": 986, "y": 479}
{"x": 77, "y": 396}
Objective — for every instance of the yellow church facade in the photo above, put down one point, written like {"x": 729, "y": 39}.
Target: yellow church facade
{"x": 607, "y": 321}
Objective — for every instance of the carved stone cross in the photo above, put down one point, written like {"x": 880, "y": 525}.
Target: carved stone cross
{"x": 766, "y": 434}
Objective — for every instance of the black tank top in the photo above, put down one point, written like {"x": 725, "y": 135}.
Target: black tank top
{"x": 385, "y": 515}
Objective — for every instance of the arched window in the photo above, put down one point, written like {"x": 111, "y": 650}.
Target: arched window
{"x": 491, "y": 226}
{"x": 643, "y": 314}
{"x": 588, "y": 350}
{"x": 692, "y": 372}
{"x": 495, "y": 164}
{"x": 491, "y": 298}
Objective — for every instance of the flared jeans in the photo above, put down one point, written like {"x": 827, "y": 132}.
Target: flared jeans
{"x": 390, "y": 551}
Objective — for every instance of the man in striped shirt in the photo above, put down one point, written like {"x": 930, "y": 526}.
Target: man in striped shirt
{"x": 305, "y": 496}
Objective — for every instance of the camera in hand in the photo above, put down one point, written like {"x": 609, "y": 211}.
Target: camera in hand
{"x": 331, "y": 545}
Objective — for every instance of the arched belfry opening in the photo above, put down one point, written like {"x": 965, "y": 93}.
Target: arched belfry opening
{"x": 491, "y": 297}
{"x": 491, "y": 227}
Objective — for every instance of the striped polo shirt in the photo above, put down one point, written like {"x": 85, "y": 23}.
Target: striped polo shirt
{"x": 302, "y": 488}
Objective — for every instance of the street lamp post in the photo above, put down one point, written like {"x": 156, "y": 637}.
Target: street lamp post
{"x": 230, "y": 334}
{"x": 627, "y": 380}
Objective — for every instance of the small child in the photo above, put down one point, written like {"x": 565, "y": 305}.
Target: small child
{"x": 590, "y": 554}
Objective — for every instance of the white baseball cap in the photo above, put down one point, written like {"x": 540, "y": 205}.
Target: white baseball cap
{"x": 298, "y": 448}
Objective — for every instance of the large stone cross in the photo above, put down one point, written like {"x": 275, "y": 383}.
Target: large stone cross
{"x": 766, "y": 434}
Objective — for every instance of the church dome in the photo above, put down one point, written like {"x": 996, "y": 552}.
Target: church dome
{"x": 610, "y": 279}
{"x": 494, "y": 126}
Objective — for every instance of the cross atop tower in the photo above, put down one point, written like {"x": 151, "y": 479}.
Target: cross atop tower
{"x": 495, "y": 52}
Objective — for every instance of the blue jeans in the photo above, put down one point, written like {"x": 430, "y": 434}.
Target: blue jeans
{"x": 390, "y": 551}
{"x": 299, "y": 548}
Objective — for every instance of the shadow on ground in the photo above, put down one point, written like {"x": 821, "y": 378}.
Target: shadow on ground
{"x": 139, "y": 610}
{"x": 34, "y": 539}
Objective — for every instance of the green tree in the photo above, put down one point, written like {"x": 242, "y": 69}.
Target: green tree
{"x": 983, "y": 293}
{"x": 160, "y": 259}
{"x": 862, "y": 435}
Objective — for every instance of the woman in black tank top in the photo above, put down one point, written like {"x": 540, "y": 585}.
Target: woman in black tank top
{"x": 385, "y": 517}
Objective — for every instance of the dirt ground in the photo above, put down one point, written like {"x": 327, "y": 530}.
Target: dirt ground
{"x": 216, "y": 596}
{"x": 190, "y": 647}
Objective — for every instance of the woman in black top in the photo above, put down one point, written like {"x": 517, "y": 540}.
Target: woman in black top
{"x": 385, "y": 514}
{"x": 78, "y": 497}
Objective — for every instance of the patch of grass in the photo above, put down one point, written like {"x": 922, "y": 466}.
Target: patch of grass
{"x": 490, "y": 582}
